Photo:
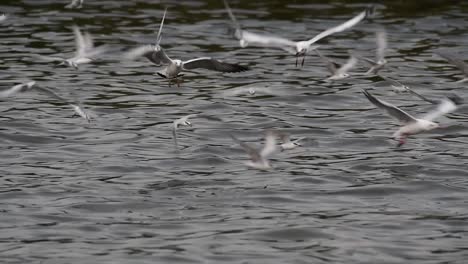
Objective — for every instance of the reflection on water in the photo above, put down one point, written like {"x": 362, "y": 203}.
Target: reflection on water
{"x": 116, "y": 190}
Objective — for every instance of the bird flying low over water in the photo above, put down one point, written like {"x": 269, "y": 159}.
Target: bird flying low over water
{"x": 411, "y": 125}
{"x": 155, "y": 54}
{"x": 259, "y": 157}
{"x": 298, "y": 48}
{"x": 85, "y": 51}
{"x": 380, "y": 61}
{"x": 459, "y": 63}
{"x": 184, "y": 121}
{"x": 338, "y": 71}
{"x": 19, "y": 88}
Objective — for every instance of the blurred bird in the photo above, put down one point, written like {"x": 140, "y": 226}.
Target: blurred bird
{"x": 19, "y": 88}
{"x": 75, "y": 4}
{"x": 338, "y": 71}
{"x": 85, "y": 51}
{"x": 259, "y": 157}
{"x": 184, "y": 121}
{"x": 380, "y": 61}
{"x": 298, "y": 48}
{"x": 410, "y": 124}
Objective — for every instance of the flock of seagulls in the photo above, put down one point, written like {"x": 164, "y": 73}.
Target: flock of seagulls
{"x": 87, "y": 52}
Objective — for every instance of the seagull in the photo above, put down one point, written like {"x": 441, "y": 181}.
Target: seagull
{"x": 19, "y": 88}
{"x": 155, "y": 54}
{"x": 396, "y": 85}
{"x": 459, "y": 63}
{"x": 184, "y": 121}
{"x": 298, "y": 48}
{"x": 380, "y": 60}
{"x": 287, "y": 143}
{"x": 85, "y": 50}
{"x": 259, "y": 157}
{"x": 75, "y": 4}
{"x": 410, "y": 124}
{"x": 338, "y": 71}
{"x": 3, "y": 17}
{"x": 75, "y": 106}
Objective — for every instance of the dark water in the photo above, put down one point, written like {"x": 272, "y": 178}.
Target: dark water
{"x": 115, "y": 191}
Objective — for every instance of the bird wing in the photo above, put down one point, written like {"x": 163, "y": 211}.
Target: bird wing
{"x": 158, "y": 37}
{"x": 392, "y": 81}
{"x": 19, "y": 88}
{"x": 381, "y": 37}
{"x": 269, "y": 41}
{"x": 252, "y": 152}
{"x": 392, "y": 110}
{"x": 270, "y": 144}
{"x": 444, "y": 107}
{"x": 331, "y": 66}
{"x": 420, "y": 96}
{"x": 213, "y": 64}
{"x": 235, "y": 23}
{"x": 348, "y": 24}
{"x": 451, "y": 58}
{"x": 155, "y": 54}
{"x": 80, "y": 42}
{"x": 348, "y": 65}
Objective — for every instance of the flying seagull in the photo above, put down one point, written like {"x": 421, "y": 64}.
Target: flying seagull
{"x": 459, "y": 63}
{"x": 19, "y": 88}
{"x": 184, "y": 121}
{"x": 410, "y": 124}
{"x": 298, "y": 48}
{"x": 287, "y": 143}
{"x": 380, "y": 61}
{"x": 259, "y": 157}
{"x": 74, "y": 105}
{"x": 3, "y": 17}
{"x": 85, "y": 50}
{"x": 338, "y": 71}
{"x": 75, "y": 4}
{"x": 396, "y": 85}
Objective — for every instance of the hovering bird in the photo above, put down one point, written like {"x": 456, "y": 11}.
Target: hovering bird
{"x": 74, "y": 105}
{"x": 411, "y": 125}
{"x": 75, "y": 4}
{"x": 19, "y": 88}
{"x": 338, "y": 71}
{"x": 259, "y": 157}
{"x": 85, "y": 50}
{"x": 380, "y": 61}
{"x": 298, "y": 48}
{"x": 459, "y": 63}
{"x": 184, "y": 121}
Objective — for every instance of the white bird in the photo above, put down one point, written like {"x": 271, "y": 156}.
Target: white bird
{"x": 338, "y": 71}
{"x": 287, "y": 143}
{"x": 298, "y": 48}
{"x": 85, "y": 50}
{"x": 380, "y": 61}
{"x": 156, "y": 55}
{"x": 75, "y": 4}
{"x": 19, "y": 88}
{"x": 410, "y": 124}
{"x": 396, "y": 85}
{"x": 459, "y": 63}
{"x": 184, "y": 121}
{"x": 3, "y": 17}
{"x": 259, "y": 157}
{"x": 75, "y": 106}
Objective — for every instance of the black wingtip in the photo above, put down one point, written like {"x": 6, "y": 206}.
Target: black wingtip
{"x": 162, "y": 75}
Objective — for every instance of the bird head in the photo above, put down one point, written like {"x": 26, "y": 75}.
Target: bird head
{"x": 178, "y": 63}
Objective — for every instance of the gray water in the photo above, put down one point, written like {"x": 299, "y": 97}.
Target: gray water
{"x": 116, "y": 191}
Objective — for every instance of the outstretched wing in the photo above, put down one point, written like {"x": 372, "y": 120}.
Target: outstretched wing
{"x": 270, "y": 144}
{"x": 392, "y": 110}
{"x": 252, "y": 152}
{"x": 331, "y": 66}
{"x": 213, "y": 64}
{"x": 348, "y": 24}
{"x": 348, "y": 65}
{"x": 158, "y": 37}
{"x": 19, "y": 88}
{"x": 155, "y": 54}
{"x": 444, "y": 107}
{"x": 381, "y": 45}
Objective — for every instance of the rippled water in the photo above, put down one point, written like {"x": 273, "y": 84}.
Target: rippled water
{"x": 116, "y": 191}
